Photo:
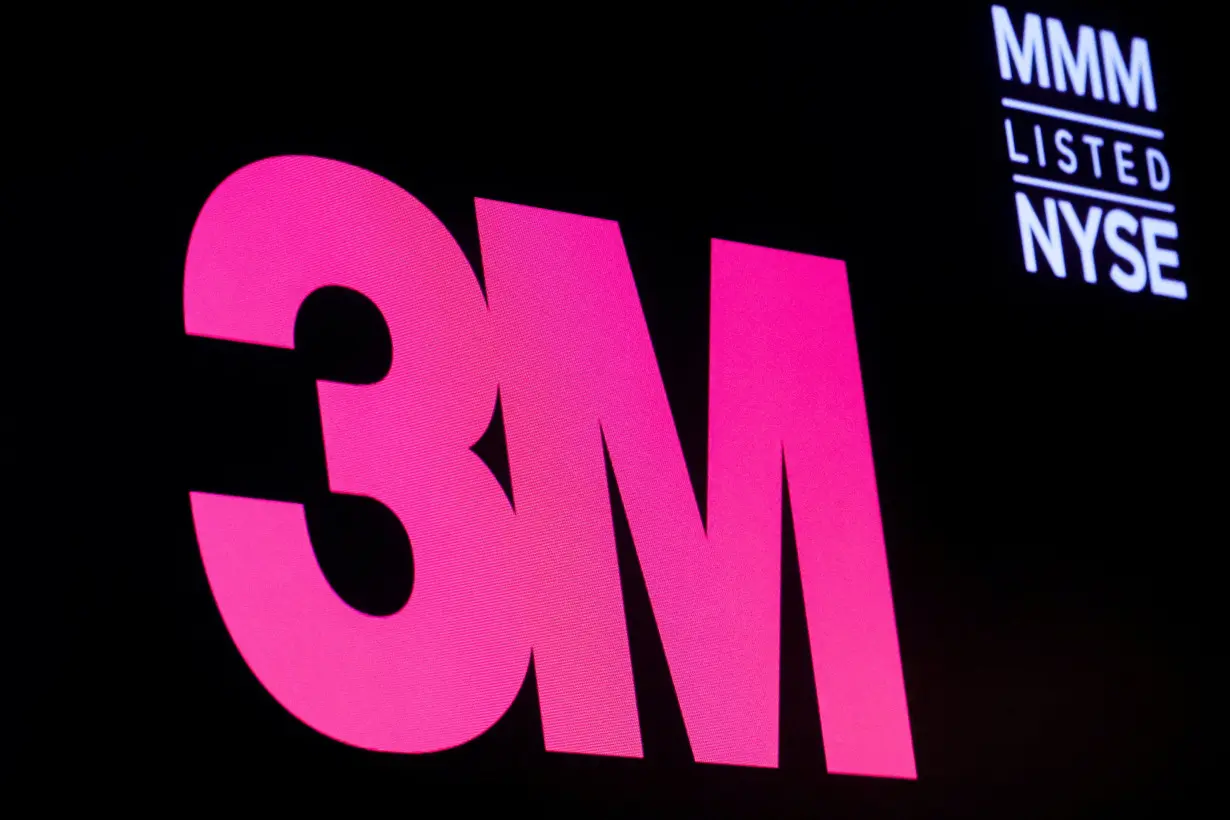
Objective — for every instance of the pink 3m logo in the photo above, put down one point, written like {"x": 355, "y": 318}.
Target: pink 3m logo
{"x": 561, "y": 336}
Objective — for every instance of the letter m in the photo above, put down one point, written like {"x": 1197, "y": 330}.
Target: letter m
{"x": 785, "y": 383}
{"x": 1012, "y": 51}
{"x": 1083, "y": 66}
{"x": 1134, "y": 78}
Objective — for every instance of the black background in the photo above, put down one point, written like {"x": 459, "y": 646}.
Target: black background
{"x": 1041, "y": 445}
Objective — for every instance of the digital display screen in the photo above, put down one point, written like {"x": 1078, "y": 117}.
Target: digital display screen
{"x": 794, "y": 414}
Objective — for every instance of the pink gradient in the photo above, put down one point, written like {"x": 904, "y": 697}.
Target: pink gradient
{"x": 565, "y": 342}
{"x": 490, "y": 586}
{"x": 784, "y": 372}
{"x": 784, "y": 375}
{"x": 581, "y": 365}
{"x": 447, "y": 666}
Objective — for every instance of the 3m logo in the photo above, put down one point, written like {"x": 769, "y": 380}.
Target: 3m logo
{"x": 561, "y": 337}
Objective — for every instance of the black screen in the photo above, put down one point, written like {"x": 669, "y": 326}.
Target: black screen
{"x": 1040, "y": 443}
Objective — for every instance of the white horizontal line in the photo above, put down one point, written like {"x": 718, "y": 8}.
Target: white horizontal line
{"x": 1063, "y": 187}
{"x": 1073, "y": 116}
